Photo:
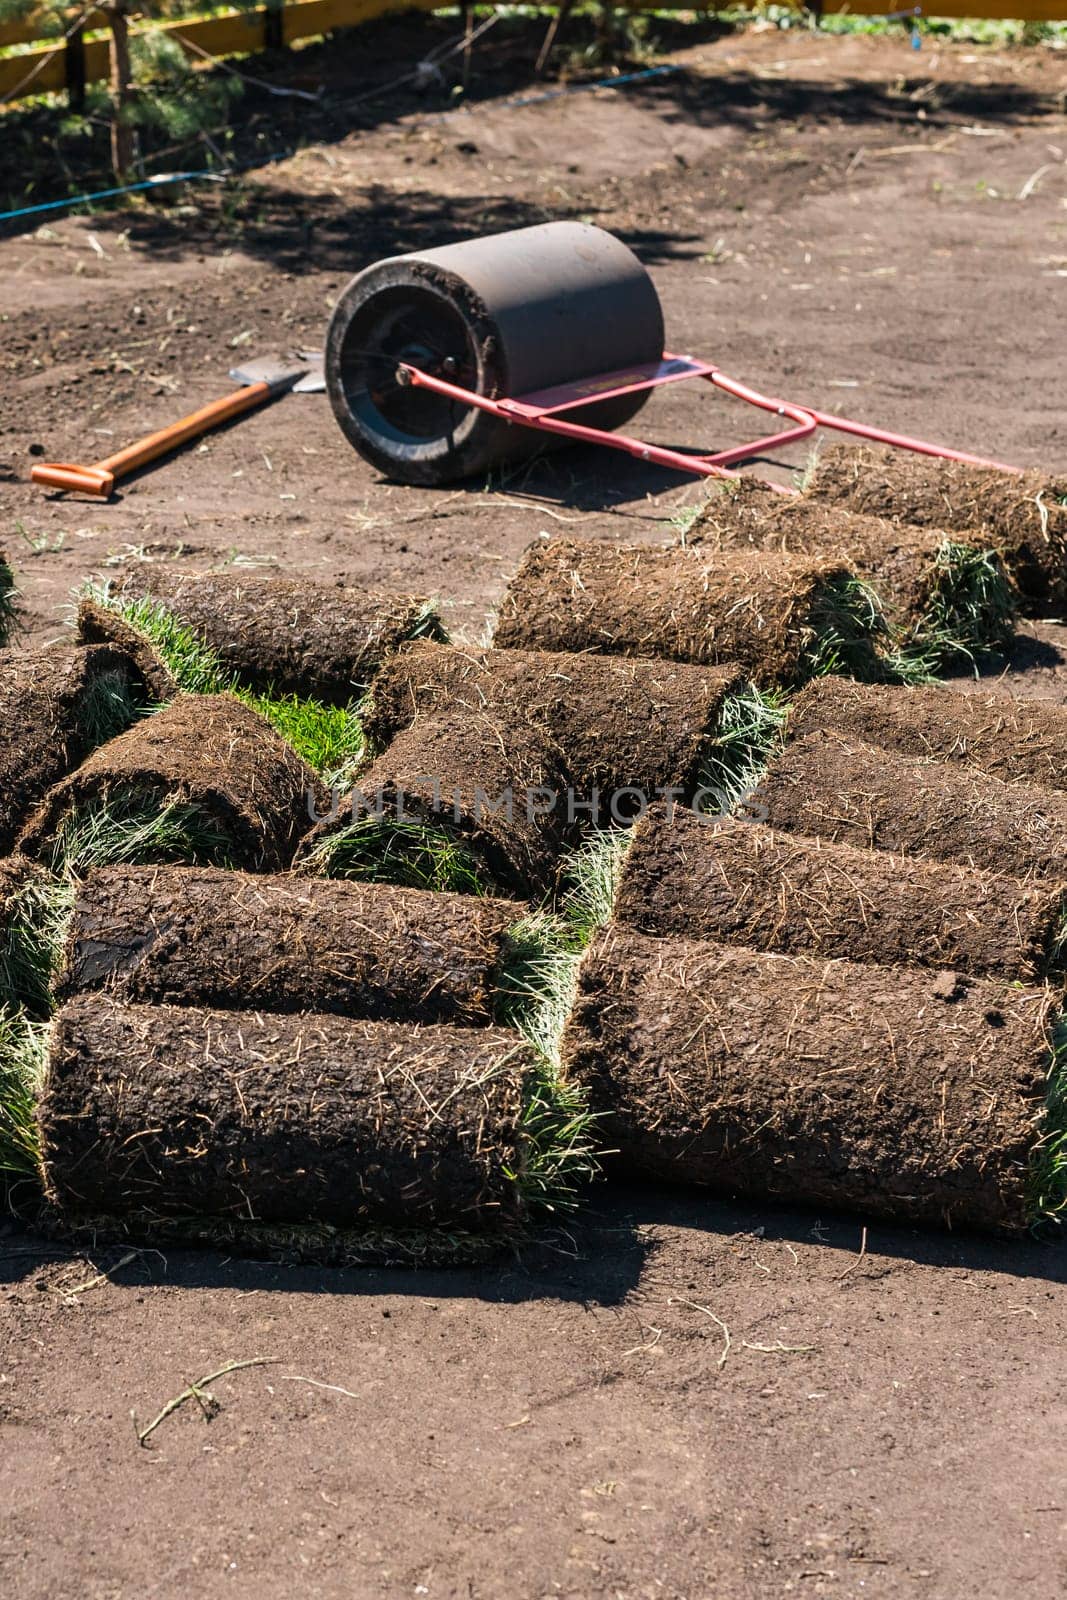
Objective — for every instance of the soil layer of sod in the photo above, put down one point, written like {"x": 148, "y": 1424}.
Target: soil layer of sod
{"x": 644, "y": 725}
{"x": 776, "y": 617}
{"x": 175, "y": 1111}
{"x": 236, "y": 785}
{"x": 894, "y": 1092}
{"x": 938, "y": 592}
{"x": 833, "y": 787}
{"x": 743, "y": 883}
{"x": 321, "y": 641}
{"x": 1024, "y": 515}
{"x": 56, "y": 705}
{"x": 202, "y": 937}
{"x": 1016, "y": 740}
{"x": 99, "y": 625}
{"x": 485, "y": 788}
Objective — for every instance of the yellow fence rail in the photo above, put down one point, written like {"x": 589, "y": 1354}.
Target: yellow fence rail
{"x": 54, "y": 65}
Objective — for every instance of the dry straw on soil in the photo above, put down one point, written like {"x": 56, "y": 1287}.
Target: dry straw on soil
{"x": 779, "y": 618}
{"x": 295, "y": 636}
{"x": 1016, "y": 740}
{"x": 743, "y": 883}
{"x": 833, "y": 787}
{"x": 947, "y": 602}
{"x": 56, "y": 705}
{"x": 474, "y": 803}
{"x": 899, "y": 1093}
{"x": 1023, "y": 516}
{"x": 197, "y": 1115}
{"x": 204, "y": 780}
{"x": 198, "y": 936}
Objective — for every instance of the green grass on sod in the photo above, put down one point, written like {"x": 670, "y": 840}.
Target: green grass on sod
{"x": 970, "y": 614}
{"x": 8, "y": 603}
{"x": 848, "y": 628}
{"x": 734, "y": 760}
{"x": 23, "y": 1051}
{"x": 31, "y": 951}
{"x": 328, "y": 738}
{"x": 128, "y": 825}
{"x": 413, "y": 854}
{"x": 1047, "y": 1187}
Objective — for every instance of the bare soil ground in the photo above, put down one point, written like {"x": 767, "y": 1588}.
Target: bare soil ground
{"x": 675, "y": 1398}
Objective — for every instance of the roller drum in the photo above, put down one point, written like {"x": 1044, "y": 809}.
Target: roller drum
{"x": 504, "y": 316}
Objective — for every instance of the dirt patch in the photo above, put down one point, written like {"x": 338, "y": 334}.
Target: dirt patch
{"x": 177, "y": 1112}
{"x": 488, "y": 781}
{"x": 55, "y": 705}
{"x": 895, "y": 1093}
{"x": 319, "y": 641}
{"x": 1025, "y": 742}
{"x": 1024, "y": 516}
{"x": 198, "y": 937}
{"x": 767, "y": 613}
{"x": 207, "y": 753}
{"x": 620, "y": 724}
{"x": 744, "y": 884}
{"x": 835, "y": 787}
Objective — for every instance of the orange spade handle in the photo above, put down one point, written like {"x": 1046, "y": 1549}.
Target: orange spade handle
{"x": 100, "y": 479}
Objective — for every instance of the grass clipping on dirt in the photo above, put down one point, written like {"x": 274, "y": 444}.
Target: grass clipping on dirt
{"x": 327, "y": 736}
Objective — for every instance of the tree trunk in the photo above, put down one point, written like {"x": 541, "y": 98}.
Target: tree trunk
{"x": 121, "y": 131}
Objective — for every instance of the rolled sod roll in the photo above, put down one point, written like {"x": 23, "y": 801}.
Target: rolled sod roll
{"x": 897, "y": 1093}
{"x": 197, "y": 936}
{"x": 1016, "y": 740}
{"x": 832, "y": 787}
{"x": 776, "y": 617}
{"x": 56, "y": 705}
{"x": 1023, "y": 514}
{"x": 171, "y": 1111}
{"x": 931, "y": 583}
{"x": 321, "y": 641}
{"x": 471, "y": 802}
{"x": 8, "y": 599}
{"x": 742, "y": 883}
{"x": 645, "y": 725}
{"x": 228, "y": 788}
{"x": 97, "y": 624}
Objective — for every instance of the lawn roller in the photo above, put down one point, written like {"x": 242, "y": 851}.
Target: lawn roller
{"x": 447, "y": 362}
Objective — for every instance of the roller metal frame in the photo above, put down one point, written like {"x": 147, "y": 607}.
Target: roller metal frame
{"x": 545, "y": 410}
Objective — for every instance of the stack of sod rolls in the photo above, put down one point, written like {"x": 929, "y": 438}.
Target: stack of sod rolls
{"x": 492, "y": 760}
{"x": 740, "y": 882}
{"x": 205, "y": 779}
{"x": 1021, "y": 515}
{"x": 56, "y": 705}
{"x": 330, "y": 1071}
{"x": 895, "y": 1092}
{"x": 926, "y": 773}
{"x": 947, "y": 601}
{"x": 780, "y": 618}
